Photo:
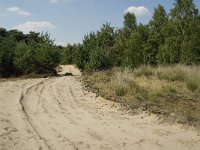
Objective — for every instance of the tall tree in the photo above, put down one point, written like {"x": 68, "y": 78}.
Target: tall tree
{"x": 184, "y": 9}
{"x": 182, "y": 16}
{"x": 105, "y": 37}
{"x": 156, "y": 38}
{"x": 122, "y": 37}
{"x": 130, "y": 22}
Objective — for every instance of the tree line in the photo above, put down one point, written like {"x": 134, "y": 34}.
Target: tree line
{"x": 22, "y": 54}
{"x": 169, "y": 38}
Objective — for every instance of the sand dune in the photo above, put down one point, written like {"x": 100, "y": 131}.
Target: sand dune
{"x": 57, "y": 114}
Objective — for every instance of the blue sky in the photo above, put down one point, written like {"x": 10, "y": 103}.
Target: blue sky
{"x": 69, "y": 20}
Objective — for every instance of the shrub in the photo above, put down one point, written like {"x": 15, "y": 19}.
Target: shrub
{"x": 98, "y": 60}
{"x": 120, "y": 90}
{"x": 192, "y": 84}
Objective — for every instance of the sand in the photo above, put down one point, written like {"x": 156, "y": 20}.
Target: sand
{"x": 58, "y": 114}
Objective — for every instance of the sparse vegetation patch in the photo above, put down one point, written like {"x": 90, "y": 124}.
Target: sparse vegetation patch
{"x": 174, "y": 97}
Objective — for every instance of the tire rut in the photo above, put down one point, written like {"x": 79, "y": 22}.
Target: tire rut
{"x": 27, "y": 116}
{"x": 43, "y": 87}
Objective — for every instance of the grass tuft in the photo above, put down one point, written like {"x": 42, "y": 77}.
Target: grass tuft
{"x": 144, "y": 71}
{"x": 192, "y": 85}
{"x": 175, "y": 73}
{"x": 121, "y": 90}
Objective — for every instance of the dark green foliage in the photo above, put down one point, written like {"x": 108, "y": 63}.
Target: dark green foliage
{"x": 130, "y": 22}
{"x": 98, "y": 60}
{"x": 7, "y": 48}
{"x": 105, "y": 37}
{"x": 80, "y": 56}
{"x": 119, "y": 47}
{"x": 22, "y": 54}
{"x": 133, "y": 54}
{"x": 24, "y": 60}
{"x": 169, "y": 52}
{"x": 184, "y": 9}
{"x": 67, "y": 55}
{"x": 186, "y": 25}
{"x": 156, "y": 38}
{"x": 46, "y": 59}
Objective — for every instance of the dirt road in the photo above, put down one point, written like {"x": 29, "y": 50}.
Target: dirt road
{"x": 57, "y": 114}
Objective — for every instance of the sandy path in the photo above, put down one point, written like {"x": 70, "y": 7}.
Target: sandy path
{"x": 57, "y": 114}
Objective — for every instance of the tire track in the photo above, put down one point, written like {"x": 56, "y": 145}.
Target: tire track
{"x": 59, "y": 115}
{"x": 26, "y": 113}
{"x": 43, "y": 89}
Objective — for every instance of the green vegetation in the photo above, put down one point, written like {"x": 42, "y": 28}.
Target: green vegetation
{"x": 25, "y": 54}
{"x": 169, "y": 38}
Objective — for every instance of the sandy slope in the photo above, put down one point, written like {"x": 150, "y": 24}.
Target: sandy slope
{"x": 57, "y": 114}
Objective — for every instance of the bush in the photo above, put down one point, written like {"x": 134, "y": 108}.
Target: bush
{"x": 7, "y": 48}
{"x": 46, "y": 59}
{"x": 98, "y": 60}
{"x": 24, "y": 60}
{"x": 120, "y": 90}
{"x": 192, "y": 84}
{"x": 21, "y": 54}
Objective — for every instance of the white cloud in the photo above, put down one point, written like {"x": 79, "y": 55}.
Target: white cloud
{"x": 60, "y": 43}
{"x": 138, "y": 11}
{"x": 58, "y": 1}
{"x": 18, "y": 11}
{"x": 24, "y": 13}
{"x": 13, "y": 9}
{"x": 35, "y": 26}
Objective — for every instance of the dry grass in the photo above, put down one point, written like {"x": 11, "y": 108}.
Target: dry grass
{"x": 173, "y": 91}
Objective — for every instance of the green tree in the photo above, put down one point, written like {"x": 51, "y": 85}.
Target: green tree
{"x": 3, "y": 33}
{"x": 7, "y": 48}
{"x": 184, "y": 9}
{"x": 67, "y": 55}
{"x": 105, "y": 37}
{"x": 156, "y": 38}
{"x": 121, "y": 46}
{"x": 46, "y": 61}
{"x": 183, "y": 15}
{"x": 169, "y": 51}
{"x": 24, "y": 59}
{"x": 135, "y": 54}
{"x": 130, "y": 22}
{"x": 98, "y": 59}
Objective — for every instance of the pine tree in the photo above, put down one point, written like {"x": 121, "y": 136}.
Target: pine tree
{"x": 130, "y": 22}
